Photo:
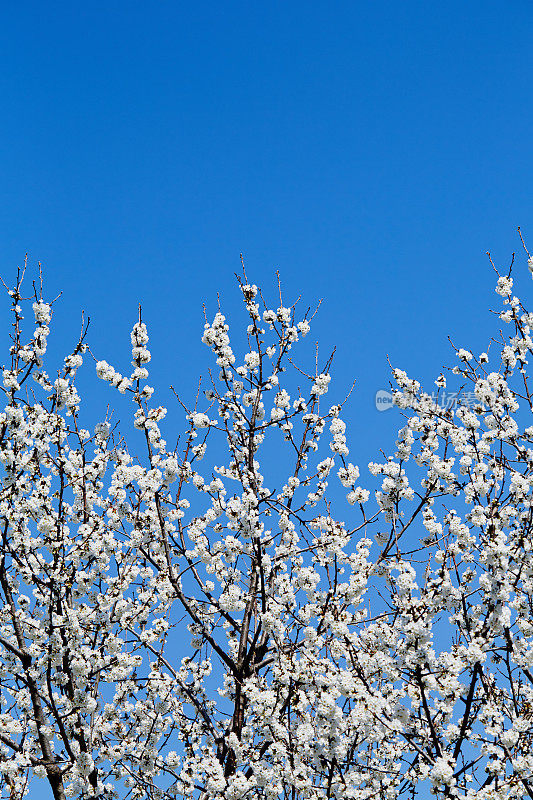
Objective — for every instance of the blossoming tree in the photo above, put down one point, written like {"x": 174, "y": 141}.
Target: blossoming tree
{"x": 187, "y": 625}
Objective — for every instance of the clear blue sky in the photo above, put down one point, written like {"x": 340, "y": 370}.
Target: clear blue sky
{"x": 371, "y": 151}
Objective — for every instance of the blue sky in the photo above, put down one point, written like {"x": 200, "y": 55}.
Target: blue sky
{"x": 372, "y": 152}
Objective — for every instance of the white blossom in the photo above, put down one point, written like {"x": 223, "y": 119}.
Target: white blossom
{"x": 218, "y": 619}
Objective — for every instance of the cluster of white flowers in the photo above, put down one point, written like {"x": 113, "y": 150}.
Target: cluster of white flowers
{"x": 216, "y": 336}
{"x": 139, "y": 352}
{"x": 337, "y": 429}
{"x": 107, "y": 373}
{"x": 383, "y": 651}
{"x": 321, "y": 384}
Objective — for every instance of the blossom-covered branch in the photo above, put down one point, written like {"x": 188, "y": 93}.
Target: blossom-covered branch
{"x": 239, "y": 617}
